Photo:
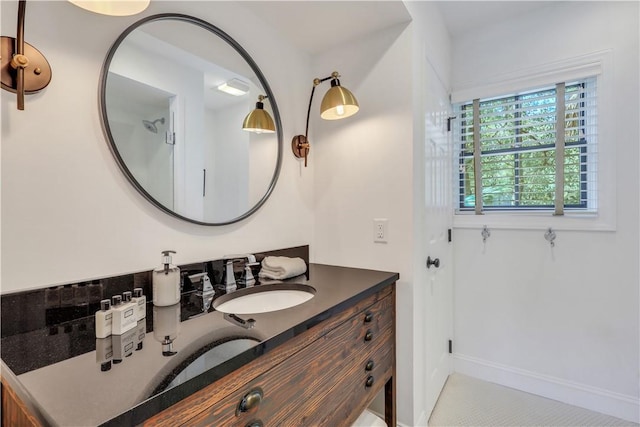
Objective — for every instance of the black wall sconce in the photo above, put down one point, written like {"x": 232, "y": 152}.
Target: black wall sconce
{"x": 338, "y": 103}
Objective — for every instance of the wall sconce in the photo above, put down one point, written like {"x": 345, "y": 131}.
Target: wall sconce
{"x": 113, "y": 8}
{"x": 338, "y": 103}
{"x": 24, "y": 68}
{"x": 259, "y": 120}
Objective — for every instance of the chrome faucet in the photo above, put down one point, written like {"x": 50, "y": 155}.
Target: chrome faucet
{"x": 229, "y": 277}
{"x": 205, "y": 290}
{"x": 247, "y": 279}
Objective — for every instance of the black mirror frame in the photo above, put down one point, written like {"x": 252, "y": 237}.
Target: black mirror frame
{"x": 245, "y": 55}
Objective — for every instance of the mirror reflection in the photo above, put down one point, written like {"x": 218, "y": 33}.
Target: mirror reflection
{"x": 175, "y": 91}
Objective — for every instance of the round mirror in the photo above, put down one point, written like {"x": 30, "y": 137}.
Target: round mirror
{"x": 174, "y": 93}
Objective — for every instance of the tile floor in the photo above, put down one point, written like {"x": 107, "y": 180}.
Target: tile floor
{"x": 467, "y": 401}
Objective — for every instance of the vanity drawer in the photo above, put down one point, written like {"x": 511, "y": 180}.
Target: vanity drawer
{"x": 201, "y": 403}
{"x": 351, "y": 395}
{"x": 298, "y": 385}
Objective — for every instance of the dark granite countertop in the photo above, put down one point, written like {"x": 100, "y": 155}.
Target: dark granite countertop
{"x": 64, "y": 380}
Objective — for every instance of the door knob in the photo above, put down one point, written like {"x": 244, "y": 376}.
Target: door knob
{"x": 435, "y": 262}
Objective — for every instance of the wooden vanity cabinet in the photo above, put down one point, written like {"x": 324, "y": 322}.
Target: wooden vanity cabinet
{"x": 325, "y": 376}
{"x": 14, "y": 411}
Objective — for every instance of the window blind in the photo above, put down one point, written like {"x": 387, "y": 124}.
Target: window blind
{"x": 521, "y": 140}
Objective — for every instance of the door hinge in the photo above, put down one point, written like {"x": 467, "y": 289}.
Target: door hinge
{"x": 449, "y": 235}
{"x": 204, "y": 183}
{"x": 449, "y": 122}
{"x": 450, "y": 346}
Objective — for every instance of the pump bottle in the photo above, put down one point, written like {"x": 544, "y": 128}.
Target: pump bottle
{"x": 166, "y": 282}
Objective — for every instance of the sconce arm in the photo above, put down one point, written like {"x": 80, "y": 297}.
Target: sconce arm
{"x": 22, "y": 4}
{"x": 21, "y": 60}
{"x": 306, "y": 129}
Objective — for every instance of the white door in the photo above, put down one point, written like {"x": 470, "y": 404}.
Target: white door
{"x": 438, "y": 218}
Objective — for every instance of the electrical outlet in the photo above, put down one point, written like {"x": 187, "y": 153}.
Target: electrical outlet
{"x": 380, "y": 230}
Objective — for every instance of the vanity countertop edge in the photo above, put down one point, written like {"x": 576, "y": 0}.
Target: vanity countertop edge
{"x": 337, "y": 288}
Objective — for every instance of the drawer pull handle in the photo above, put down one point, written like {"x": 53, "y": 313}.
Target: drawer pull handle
{"x": 368, "y": 317}
{"x": 250, "y": 400}
{"x": 369, "y": 366}
{"x": 369, "y": 382}
{"x": 369, "y": 335}
{"x": 255, "y": 423}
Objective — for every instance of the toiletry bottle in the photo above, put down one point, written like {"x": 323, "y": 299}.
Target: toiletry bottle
{"x": 123, "y": 345}
{"x": 104, "y": 353}
{"x": 141, "y": 332}
{"x": 127, "y": 298}
{"x": 124, "y": 314}
{"x": 141, "y": 303}
{"x": 104, "y": 319}
{"x": 166, "y": 282}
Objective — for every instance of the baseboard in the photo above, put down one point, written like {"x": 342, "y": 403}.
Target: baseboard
{"x": 596, "y": 399}
{"x": 399, "y": 424}
{"x": 421, "y": 422}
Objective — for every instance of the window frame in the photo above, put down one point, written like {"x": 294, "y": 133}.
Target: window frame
{"x": 517, "y": 100}
{"x": 598, "y": 64}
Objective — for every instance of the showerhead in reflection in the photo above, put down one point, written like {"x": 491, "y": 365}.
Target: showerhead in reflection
{"x": 151, "y": 126}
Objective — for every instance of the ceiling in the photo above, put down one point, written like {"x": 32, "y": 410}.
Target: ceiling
{"x": 463, "y": 16}
{"x": 317, "y": 26}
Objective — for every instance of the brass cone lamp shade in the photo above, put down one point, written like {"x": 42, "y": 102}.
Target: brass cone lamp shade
{"x": 259, "y": 120}
{"x": 338, "y": 103}
{"x": 113, "y": 7}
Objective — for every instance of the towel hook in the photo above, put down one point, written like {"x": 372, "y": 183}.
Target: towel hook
{"x": 485, "y": 233}
{"x": 550, "y": 236}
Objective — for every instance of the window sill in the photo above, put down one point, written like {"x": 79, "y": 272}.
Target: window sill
{"x": 571, "y": 221}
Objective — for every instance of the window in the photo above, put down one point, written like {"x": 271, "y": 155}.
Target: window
{"x": 517, "y": 156}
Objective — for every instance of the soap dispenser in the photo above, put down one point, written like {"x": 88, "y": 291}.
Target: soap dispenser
{"x": 166, "y": 327}
{"x": 166, "y": 282}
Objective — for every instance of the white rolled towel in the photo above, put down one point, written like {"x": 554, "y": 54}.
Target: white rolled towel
{"x": 281, "y": 267}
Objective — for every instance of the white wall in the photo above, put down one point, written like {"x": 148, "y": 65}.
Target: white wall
{"x": 68, "y": 212}
{"x": 564, "y": 322}
{"x": 227, "y": 163}
{"x": 364, "y": 169}
{"x": 148, "y": 157}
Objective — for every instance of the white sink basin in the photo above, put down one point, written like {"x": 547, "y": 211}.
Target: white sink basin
{"x": 264, "y": 298}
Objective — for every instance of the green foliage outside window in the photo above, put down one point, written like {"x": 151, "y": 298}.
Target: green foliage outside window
{"x": 517, "y": 136}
